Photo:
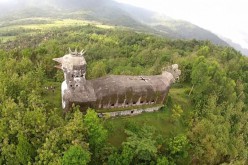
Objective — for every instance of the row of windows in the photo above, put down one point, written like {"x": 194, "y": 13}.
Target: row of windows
{"x": 135, "y": 103}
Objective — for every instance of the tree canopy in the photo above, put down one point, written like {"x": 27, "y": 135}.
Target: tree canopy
{"x": 34, "y": 131}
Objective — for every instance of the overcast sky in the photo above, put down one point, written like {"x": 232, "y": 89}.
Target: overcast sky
{"x": 228, "y": 18}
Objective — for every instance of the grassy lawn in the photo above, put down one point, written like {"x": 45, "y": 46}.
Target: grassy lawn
{"x": 9, "y": 32}
{"x": 6, "y": 38}
{"x": 160, "y": 120}
{"x": 180, "y": 96}
{"x": 56, "y": 23}
{"x": 53, "y": 97}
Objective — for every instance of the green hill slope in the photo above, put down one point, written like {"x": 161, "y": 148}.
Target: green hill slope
{"x": 109, "y": 12}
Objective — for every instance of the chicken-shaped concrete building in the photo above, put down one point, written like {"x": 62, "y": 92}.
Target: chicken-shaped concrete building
{"x": 114, "y": 94}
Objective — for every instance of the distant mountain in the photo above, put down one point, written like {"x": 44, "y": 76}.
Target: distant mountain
{"x": 107, "y": 12}
{"x": 236, "y": 46}
{"x": 171, "y": 27}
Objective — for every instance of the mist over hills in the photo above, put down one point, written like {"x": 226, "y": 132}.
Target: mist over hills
{"x": 104, "y": 11}
{"x": 107, "y": 12}
{"x": 236, "y": 46}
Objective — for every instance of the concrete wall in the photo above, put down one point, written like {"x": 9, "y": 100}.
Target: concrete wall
{"x": 129, "y": 112}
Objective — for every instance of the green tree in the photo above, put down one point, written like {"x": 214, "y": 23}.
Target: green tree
{"x": 97, "y": 69}
{"x": 96, "y": 135}
{"x": 204, "y": 51}
{"x": 176, "y": 113}
{"x": 200, "y": 80}
{"x": 142, "y": 144}
{"x": 162, "y": 161}
{"x": 60, "y": 139}
{"x": 140, "y": 147}
{"x": 24, "y": 150}
{"x": 178, "y": 146}
{"x": 215, "y": 128}
{"x": 76, "y": 155}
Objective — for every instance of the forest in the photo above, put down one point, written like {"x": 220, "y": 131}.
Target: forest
{"x": 203, "y": 121}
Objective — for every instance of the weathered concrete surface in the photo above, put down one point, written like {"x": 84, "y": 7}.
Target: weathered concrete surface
{"x": 112, "y": 91}
{"x": 130, "y": 112}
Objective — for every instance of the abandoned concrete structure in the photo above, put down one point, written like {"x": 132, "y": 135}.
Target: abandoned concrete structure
{"x": 131, "y": 93}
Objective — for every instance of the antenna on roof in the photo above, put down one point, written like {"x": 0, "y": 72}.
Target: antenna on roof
{"x": 82, "y": 52}
{"x": 70, "y": 51}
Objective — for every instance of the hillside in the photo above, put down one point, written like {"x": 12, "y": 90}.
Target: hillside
{"x": 244, "y": 51}
{"x": 170, "y": 27}
{"x": 111, "y": 13}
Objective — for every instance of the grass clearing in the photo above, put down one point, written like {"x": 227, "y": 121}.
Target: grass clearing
{"x": 10, "y": 31}
{"x": 4, "y": 39}
{"x": 55, "y": 24}
{"x": 180, "y": 96}
{"x": 160, "y": 120}
{"x": 53, "y": 97}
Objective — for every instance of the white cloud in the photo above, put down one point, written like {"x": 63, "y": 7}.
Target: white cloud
{"x": 227, "y": 18}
